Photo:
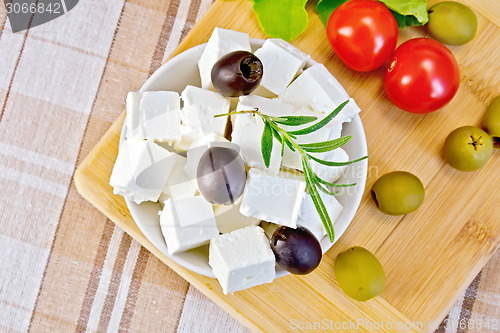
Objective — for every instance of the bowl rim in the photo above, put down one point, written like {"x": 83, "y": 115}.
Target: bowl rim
{"x": 207, "y": 271}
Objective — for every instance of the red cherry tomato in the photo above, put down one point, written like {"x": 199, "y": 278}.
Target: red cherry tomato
{"x": 363, "y": 33}
{"x": 422, "y": 76}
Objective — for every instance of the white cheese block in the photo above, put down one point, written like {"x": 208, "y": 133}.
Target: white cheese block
{"x": 282, "y": 62}
{"x": 221, "y": 42}
{"x": 188, "y": 136}
{"x": 267, "y": 106}
{"x": 273, "y": 198}
{"x": 141, "y": 170}
{"x": 154, "y": 116}
{"x": 134, "y": 118}
{"x": 229, "y": 218}
{"x": 187, "y": 223}
{"x": 242, "y": 259}
{"x": 309, "y": 217}
{"x": 335, "y": 131}
{"x": 291, "y": 159}
{"x": 248, "y": 128}
{"x": 179, "y": 185}
{"x": 330, "y": 173}
{"x": 200, "y": 107}
{"x": 247, "y": 134}
{"x": 198, "y": 148}
{"x": 319, "y": 91}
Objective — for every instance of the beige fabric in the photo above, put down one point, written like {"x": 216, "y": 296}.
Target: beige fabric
{"x": 65, "y": 267}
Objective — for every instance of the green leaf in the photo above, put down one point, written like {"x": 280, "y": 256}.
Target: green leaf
{"x": 406, "y": 12}
{"x": 322, "y": 181}
{"x": 285, "y": 19}
{"x": 320, "y": 147}
{"x": 405, "y": 21}
{"x": 275, "y": 133}
{"x": 318, "y": 203}
{"x": 331, "y": 163}
{"x": 325, "y": 9}
{"x": 326, "y": 190}
{"x": 294, "y": 120}
{"x": 282, "y": 146}
{"x": 320, "y": 123}
{"x": 267, "y": 144}
{"x": 416, "y": 8}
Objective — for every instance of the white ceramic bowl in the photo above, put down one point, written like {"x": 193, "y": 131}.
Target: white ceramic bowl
{"x": 181, "y": 71}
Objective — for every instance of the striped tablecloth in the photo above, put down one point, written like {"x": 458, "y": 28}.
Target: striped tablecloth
{"x": 63, "y": 265}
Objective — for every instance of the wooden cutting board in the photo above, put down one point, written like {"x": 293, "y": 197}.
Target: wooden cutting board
{"x": 429, "y": 256}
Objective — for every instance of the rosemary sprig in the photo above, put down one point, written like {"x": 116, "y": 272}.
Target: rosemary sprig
{"x": 288, "y": 138}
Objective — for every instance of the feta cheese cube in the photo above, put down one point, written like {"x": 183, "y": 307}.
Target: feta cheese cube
{"x": 200, "y": 106}
{"x": 198, "y": 148}
{"x": 188, "y": 136}
{"x": 187, "y": 223}
{"x": 242, "y": 259}
{"x": 309, "y": 217}
{"x": 282, "y": 62}
{"x": 331, "y": 173}
{"x": 154, "y": 116}
{"x": 335, "y": 131}
{"x": 179, "y": 185}
{"x": 291, "y": 159}
{"x": 134, "y": 117}
{"x": 273, "y": 198}
{"x": 221, "y": 42}
{"x": 229, "y": 218}
{"x": 248, "y": 128}
{"x": 267, "y": 106}
{"x": 141, "y": 170}
{"x": 318, "y": 90}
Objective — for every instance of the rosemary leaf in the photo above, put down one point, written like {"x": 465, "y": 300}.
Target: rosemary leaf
{"x": 330, "y": 163}
{"x": 294, "y": 120}
{"x": 267, "y": 144}
{"x": 282, "y": 146}
{"x": 326, "y": 190}
{"x": 318, "y": 203}
{"x": 319, "y": 147}
{"x": 275, "y": 133}
{"x": 322, "y": 181}
{"x": 320, "y": 123}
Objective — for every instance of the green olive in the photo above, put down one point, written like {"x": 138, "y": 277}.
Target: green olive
{"x": 468, "y": 148}
{"x": 359, "y": 273}
{"x": 452, "y": 23}
{"x": 491, "y": 121}
{"x": 398, "y": 193}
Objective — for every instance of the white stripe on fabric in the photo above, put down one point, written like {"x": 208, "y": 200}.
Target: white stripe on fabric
{"x": 32, "y": 157}
{"x": 454, "y": 315}
{"x": 179, "y": 23}
{"x": 204, "y": 6}
{"x": 32, "y": 181}
{"x": 122, "y": 293}
{"x": 105, "y": 279}
{"x": 21, "y": 274}
{"x": 10, "y": 46}
{"x": 200, "y": 314}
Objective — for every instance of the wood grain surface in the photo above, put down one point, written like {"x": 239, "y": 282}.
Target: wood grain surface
{"x": 429, "y": 256}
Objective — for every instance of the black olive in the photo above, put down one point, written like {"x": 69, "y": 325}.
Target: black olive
{"x": 296, "y": 250}
{"x": 237, "y": 73}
